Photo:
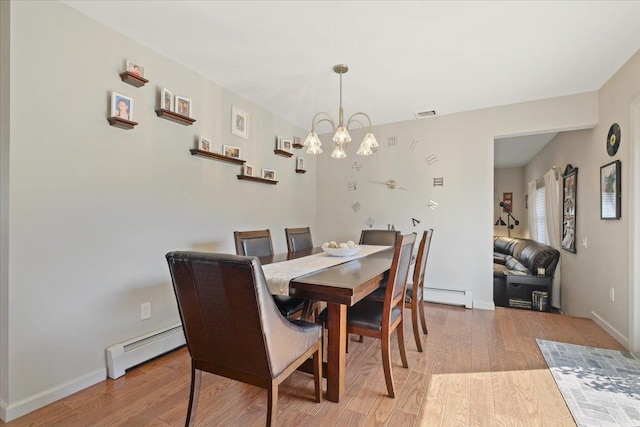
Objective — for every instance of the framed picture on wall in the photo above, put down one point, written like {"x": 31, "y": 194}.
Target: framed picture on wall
{"x": 183, "y": 106}
{"x": 239, "y": 123}
{"x": 204, "y": 144}
{"x": 300, "y": 163}
{"x": 507, "y": 202}
{"x": 610, "y": 190}
{"x": 268, "y": 174}
{"x": 569, "y": 206}
{"x": 231, "y": 151}
{"x": 248, "y": 170}
{"x": 121, "y": 106}
{"x": 167, "y": 100}
{"x": 135, "y": 68}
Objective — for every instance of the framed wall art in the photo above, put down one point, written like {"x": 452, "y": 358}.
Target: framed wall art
{"x": 183, "y": 106}
{"x": 239, "y": 123}
{"x": 569, "y": 206}
{"x": 121, "y": 106}
{"x": 268, "y": 174}
{"x": 507, "y": 202}
{"x": 204, "y": 144}
{"x": 231, "y": 151}
{"x": 167, "y": 99}
{"x": 610, "y": 190}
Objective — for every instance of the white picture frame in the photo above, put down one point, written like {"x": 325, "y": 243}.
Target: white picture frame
{"x": 247, "y": 170}
{"x": 204, "y": 144}
{"x": 239, "y": 123}
{"x": 269, "y": 174}
{"x": 183, "y": 106}
{"x": 166, "y": 100}
{"x": 287, "y": 145}
{"x": 121, "y": 106}
{"x": 231, "y": 151}
{"x": 134, "y": 68}
{"x": 300, "y": 163}
{"x": 279, "y": 143}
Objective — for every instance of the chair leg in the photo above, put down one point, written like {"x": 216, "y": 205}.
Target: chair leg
{"x": 272, "y": 404}
{"x": 414, "y": 324}
{"x": 423, "y": 319}
{"x": 403, "y": 352}
{"x": 194, "y": 392}
{"x": 386, "y": 363}
{"x": 317, "y": 372}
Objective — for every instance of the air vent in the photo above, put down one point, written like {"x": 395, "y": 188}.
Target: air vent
{"x": 425, "y": 114}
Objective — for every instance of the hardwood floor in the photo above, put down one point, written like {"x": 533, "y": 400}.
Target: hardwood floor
{"x": 479, "y": 368}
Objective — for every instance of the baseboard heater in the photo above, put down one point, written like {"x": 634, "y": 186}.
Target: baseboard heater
{"x": 462, "y": 297}
{"x": 128, "y": 354}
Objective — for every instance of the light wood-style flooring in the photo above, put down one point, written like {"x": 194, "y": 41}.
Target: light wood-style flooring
{"x": 479, "y": 368}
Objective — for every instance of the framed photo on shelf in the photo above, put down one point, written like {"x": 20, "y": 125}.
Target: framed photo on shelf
{"x": 135, "y": 68}
{"x": 287, "y": 145}
{"x": 231, "y": 151}
{"x": 300, "y": 163}
{"x": 204, "y": 144}
{"x": 239, "y": 123}
{"x": 569, "y": 193}
{"x": 507, "y": 202}
{"x": 610, "y": 190}
{"x": 121, "y": 106}
{"x": 183, "y": 106}
{"x": 268, "y": 174}
{"x": 167, "y": 99}
{"x": 279, "y": 143}
{"x": 248, "y": 170}
{"x": 297, "y": 142}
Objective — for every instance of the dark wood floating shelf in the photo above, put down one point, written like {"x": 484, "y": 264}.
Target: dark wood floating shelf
{"x": 121, "y": 123}
{"x": 301, "y": 171}
{"x": 256, "y": 179}
{"x": 298, "y": 146}
{"x": 175, "y": 117}
{"x": 133, "y": 79}
{"x": 216, "y": 156}
{"x": 283, "y": 153}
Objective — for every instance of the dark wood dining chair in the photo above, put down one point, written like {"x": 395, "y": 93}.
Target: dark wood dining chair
{"x": 414, "y": 296}
{"x": 379, "y": 237}
{"x": 298, "y": 238}
{"x": 378, "y": 319}
{"x": 233, "y": 328}
{"x": 258, "y": 243}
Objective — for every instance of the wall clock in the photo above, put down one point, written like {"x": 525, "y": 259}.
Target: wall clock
{"x": 613, "y": 139}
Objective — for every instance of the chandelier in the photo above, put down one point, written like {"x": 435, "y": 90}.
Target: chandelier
{"x": 340, "y": 135}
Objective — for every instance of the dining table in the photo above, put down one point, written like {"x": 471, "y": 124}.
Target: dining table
{"x": 340, "y": 286}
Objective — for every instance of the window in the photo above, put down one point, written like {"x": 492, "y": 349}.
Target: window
{"x": 541, "y": 216}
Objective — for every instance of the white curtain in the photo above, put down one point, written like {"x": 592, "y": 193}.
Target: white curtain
{"x": 533, "y": 220}
{"x": 553, "y": 216}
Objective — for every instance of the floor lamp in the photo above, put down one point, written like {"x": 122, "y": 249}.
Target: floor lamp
{"x": 509, "y": 218}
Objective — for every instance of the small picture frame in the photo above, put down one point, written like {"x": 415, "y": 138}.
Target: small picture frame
{"x": 121, "y": 106}
{"x": 610, "y": 190}
{"x": 507, "y": 202}
{"x": 569, "y": 208}
{"x": 287, "y": 145}
{"x": 300, "y": 163}
{"x": 183, "y": 106}
{"x": 204, "y": 144}
{"x": 268, "y": 174}
{"x": 231, "y": 151}
{"x": 239, "y": 123}
{"x": 135, "y": 68}
{"x": 297, "y": 142}
{"x": 166, "y": 100}
{"x": 279, "y": 143}
{"x": 248, "y": 170}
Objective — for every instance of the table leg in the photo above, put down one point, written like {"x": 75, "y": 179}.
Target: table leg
{"x": 337, "y": 350}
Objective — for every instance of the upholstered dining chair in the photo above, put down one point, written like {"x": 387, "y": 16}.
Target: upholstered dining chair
{"x": 254, "y": 344}
{"x": 414, "y": 297}
{"x": 298, "y": 238}
{"x": 258, "y": 243}
{"x": 378, "y": 319}
{"x": 379, "y": 237}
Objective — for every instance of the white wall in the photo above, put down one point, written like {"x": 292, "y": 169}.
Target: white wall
{"x": 510, "y": 180}
{"x": 588, "y": 274}
{"x": 95, "y": 208}
{"x": 463, "y": 222}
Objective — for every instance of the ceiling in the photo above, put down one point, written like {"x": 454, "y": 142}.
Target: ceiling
{"x": 404, "y": 57}
{"x": 517, "y": 151}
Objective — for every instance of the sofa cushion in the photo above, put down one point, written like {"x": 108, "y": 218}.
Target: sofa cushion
{"x": 513, "y": 264}
{"x": 499, "y": 258}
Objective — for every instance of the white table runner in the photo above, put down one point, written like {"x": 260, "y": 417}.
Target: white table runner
{"x": 279, "y": 274}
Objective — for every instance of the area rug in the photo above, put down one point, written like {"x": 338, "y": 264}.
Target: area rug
{"x": 601, "y": 387}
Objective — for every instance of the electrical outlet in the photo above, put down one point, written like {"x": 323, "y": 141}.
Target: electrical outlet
{"x": 584, "y": 242}
{"x": 612, "y": 296}
{"x": 145, "y": 311}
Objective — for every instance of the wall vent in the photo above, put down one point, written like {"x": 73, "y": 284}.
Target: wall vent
{"x": 425, "y": 114}
{"x": 130, "y": 353}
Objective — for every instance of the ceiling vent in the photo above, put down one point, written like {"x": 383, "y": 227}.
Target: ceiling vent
{"x": 425, "y": 114}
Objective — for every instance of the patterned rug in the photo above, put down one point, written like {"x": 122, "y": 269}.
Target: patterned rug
{"x": 601, "y": 387}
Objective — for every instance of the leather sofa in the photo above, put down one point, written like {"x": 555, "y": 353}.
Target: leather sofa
{"x": 524, "y": 255}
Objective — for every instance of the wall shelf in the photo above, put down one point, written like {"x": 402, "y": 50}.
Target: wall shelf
{"x": 256, "y": 179}
{"x": 121, "y": 123}
{"x": 133, "y": 79}
{"x": 282, "y": 153}
{"x": 175, "y": 117}
{"x": 298, "y": 146}
{"x": 301, "y": 171}
{"x": 216, "y": 156}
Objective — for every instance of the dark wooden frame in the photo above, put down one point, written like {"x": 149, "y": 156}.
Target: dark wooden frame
{"x": 617, "y": 187}
{"x": 569, "y": 208}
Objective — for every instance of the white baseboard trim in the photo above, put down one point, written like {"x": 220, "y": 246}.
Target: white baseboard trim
{"x": 462, "y": 297}
{"x": 484, "y": 305}
{"x": 610, "y": 329}
{"x": 12, "y": 411}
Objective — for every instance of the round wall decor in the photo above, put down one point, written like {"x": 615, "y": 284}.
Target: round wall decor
{"x": 613, "y": 139}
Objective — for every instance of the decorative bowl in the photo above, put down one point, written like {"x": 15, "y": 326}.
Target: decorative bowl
{"x": 342, "y": 251}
